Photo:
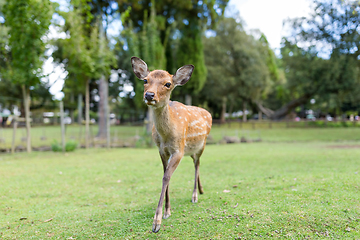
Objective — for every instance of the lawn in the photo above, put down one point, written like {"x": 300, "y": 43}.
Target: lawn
{"x": 284, "y": 190}
{"x": 121, "y": 135}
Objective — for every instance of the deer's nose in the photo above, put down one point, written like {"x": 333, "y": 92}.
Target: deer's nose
{"x": 149, "y": 96}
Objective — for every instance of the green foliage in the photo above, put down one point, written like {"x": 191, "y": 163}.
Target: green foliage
{"x": 85, "y": 53}
{"x": 206, "y": 13}
{"x": 21, "y": 60}
{"x": 27, "y": 22}
{"x": 56, "y": 146}
{"x": 176, "y": 39}
{"x": 334, "y": 80}
{"x": 145, "y": 44}
{"x": 70, "y": 146}
{"x": 191, "y": 51}
{"x": 237, "y": 66}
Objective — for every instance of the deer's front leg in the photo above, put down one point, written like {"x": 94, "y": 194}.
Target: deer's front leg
{"x": 167, "y": 213}
{"x": 174, "y": 161}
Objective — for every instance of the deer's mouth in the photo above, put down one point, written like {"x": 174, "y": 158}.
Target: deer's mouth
{"x": 150, "y": 102}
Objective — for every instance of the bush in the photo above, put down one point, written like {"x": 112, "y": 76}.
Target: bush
{"x": 56, "y": 147}
{"x": 334, "y": 124}
{"x": 69, "y": 146}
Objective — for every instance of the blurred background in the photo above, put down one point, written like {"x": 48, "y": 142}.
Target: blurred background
{"x": 66, "y": 77}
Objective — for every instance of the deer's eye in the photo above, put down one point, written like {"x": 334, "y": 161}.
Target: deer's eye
{"x": 145, "y": 81}
{"x": 167, "y": 85}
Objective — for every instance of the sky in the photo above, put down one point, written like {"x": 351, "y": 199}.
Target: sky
{"x": 264, "y": 15}
{"x": 268, "y": 16}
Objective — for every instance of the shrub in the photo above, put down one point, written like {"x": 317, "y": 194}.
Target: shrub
{"x": 334, "y": 124}
{"x": 55, "y": 146}
{"x": 70, "y": 146}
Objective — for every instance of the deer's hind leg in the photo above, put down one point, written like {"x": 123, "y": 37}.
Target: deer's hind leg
{"x": 197, "y": 183}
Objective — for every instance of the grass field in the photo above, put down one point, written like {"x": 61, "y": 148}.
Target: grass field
{"x": 281, "y": 190}
{"x": 46, "y": 135}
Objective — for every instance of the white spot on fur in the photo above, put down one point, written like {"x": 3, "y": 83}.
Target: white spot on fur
{"x": 196, "y": 134}
{"x": 194, "y": 123}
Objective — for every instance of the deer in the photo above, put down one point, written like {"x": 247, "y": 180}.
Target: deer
{"x": 179, "y": 130}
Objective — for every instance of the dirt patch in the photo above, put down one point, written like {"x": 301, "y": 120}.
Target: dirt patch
{"x": 343, "y": 146}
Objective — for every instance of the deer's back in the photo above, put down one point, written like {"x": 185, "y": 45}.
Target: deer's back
{"x": 196, "y": 124}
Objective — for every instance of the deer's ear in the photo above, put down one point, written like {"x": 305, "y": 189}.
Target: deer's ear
{"x": 139, "y": 67}
{"x": 183, "y": 74}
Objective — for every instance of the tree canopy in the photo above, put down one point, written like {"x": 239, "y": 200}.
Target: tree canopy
{"x": 321, "y": 56}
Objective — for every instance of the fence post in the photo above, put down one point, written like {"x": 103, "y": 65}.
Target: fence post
{"x": 107, "y": 113}
{"x": 62, "y": 126}
{"x": 13, "y": 136}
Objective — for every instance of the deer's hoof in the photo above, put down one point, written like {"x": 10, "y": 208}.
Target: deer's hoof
{"x": 156, "y": 227}
{"x": 166, "y": 215}
{"x": 201, "y": 191}
{"x": 194, "y": 200}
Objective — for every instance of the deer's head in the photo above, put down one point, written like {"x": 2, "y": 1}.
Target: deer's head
{"x": 158, "y": 84}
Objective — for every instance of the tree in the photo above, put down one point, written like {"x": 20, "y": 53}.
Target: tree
{"x": 105, "y": 11}
{"x": 243, "y": 77}
{"x": 147, "y": 45}
{"x": 84, "y": 54}
{"x": 321, "y": 55}
{"x": 27, "y": 22}
{"x": 181, "y": 24}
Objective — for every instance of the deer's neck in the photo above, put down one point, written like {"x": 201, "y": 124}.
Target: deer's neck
{"x": 163, "y": 121}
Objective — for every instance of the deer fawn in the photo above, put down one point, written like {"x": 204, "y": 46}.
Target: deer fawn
{"x": 178, "y": 129}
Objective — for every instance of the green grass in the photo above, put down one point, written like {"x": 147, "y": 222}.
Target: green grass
{"x": 283, "y": 190}
{"x": 46, "y": 135}
{"x": 125, "y": 134}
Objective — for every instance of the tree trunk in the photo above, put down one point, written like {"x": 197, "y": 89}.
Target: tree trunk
{"x": 26, "y": 96}
{"x": 244, "y": 110}
{"x": 103, "y": 105}
{"x": 188, "y": 99}
{"x": 72, "y": 100}
{"x": 223, "y": 110}
{"x": 260, "y": 115}
{"x": 284, "y": 110}
{"x": 80, "y": 108}
{"x": 87, "y": 113}
{"x": 14, "y": 135}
